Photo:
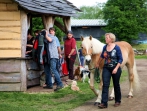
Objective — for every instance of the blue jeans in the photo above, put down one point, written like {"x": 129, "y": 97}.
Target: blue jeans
{"x": 106, "y": 76}
{"x": 54, "y": 70}
{"x": 48, "y": 75}
{"x": 82, "y": 61}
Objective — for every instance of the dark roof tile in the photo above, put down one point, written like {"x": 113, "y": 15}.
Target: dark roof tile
{"x": 55, "y": 7}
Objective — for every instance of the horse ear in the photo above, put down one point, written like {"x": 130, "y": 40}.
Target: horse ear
{"x": 90, "y": 37}
{"x": 82, "y": 38}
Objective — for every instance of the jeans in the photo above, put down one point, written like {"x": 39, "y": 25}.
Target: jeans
{"x": 106, "y": 76}
{"x": 48, "y": 75}
{"x": 82, "y": 61}
{"x": 54, "y": 70}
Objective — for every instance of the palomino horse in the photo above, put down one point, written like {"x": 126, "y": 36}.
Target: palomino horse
{"x": 92, "y": 49}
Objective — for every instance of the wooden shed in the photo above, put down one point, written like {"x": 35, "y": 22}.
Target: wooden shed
{"x": 16, "y": 71}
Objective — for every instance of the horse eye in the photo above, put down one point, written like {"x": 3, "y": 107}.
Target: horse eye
{"x": 82, "y": 47}
{"x": 91, "y": 46}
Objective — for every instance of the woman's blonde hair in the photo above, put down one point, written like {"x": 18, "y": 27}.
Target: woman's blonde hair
{"x": 112, "y": 36}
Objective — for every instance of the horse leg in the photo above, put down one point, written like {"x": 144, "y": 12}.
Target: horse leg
{"x": 100, "y": 90}
{"x": 92, "y": 84}
{"x": 111, "y": 95}
{"x": 131, "y": 78}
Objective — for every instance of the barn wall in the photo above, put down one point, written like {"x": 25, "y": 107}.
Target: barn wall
{"x": 94, "y": 31}
{"x": 10, "y": 29}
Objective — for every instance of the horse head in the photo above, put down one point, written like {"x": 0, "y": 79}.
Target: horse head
{"x": 87, "y": 48}
{"x": 90, "y": 46}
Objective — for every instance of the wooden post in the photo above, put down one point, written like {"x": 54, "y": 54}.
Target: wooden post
{"x": 48, "y": 21}
{"x": 28, "y": 20}
{"x": 23, "y": 76}
{"x": 24, "y": 29}
{"x": 67, "y": 23}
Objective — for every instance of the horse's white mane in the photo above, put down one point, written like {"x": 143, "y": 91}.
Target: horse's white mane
{"x": 96, "y": 44}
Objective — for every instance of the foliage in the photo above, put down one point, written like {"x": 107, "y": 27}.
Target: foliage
{"x": 90, "y": 12}
{"x": 125, "y": 18}
{"x": 102, "y": 39}
{"x": 37, "y": 24}
{"x": 63, "y": 100}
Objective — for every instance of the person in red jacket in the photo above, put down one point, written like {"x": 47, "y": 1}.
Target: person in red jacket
{"x": 70, "y": 53}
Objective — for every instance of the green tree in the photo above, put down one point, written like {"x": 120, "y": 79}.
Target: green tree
{"x": 37, "y": 24}
{"x": 90, "y": 12}
{"x": 126, "y": 18}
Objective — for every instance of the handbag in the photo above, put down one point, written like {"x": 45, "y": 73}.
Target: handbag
{"x": 64, "y": 68}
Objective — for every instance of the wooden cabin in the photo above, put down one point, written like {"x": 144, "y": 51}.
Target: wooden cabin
{"x": 16, "y": 71}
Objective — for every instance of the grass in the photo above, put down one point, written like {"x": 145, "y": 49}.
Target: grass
{"x": 140, "y": 46}
{"x": 140, "y": 56}
{"x": 64, "y": 100}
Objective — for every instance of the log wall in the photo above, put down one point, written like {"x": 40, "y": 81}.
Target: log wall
{"x": 18, "y": 74}
{"x": 10, "y": 29}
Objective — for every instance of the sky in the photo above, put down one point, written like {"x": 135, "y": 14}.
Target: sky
{"x": 79, "y": 3}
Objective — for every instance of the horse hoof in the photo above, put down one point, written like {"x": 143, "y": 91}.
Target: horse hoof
{"x": 129, "y": 96}
{"x": 111, "y": 98}
{"x": 96, "y": 103}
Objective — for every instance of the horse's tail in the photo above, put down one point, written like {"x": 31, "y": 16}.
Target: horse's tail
{"x": 136, "y": 81}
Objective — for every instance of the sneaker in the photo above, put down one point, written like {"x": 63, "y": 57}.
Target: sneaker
{"x": 48, "y": 87}
{"x": 58, "y": 88}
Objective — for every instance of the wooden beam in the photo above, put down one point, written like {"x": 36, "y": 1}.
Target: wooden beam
{"x": 24, "y": 29}
{"x": 9, "y": 35}
{"x": 59, "y": 25}
{"x": 10, "y": 44}
{"x": 8, "y": 7}
{"x": 13, "y": 15}
{"x": 5, "y": 1}
{"x": 11, "y": 77}
{"x": 67, "y": 23}
{"x": 10, "y": 23}
{"x": 33, "y": 82}
{"x": 10, "y": 53}
{"x": 10, "y": 29}
{"x": 9, "y": 66}
{"x": 48, "y": 21}
{"x": 10, "y": 87}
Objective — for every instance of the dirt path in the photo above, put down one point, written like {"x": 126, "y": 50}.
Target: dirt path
{"x": 138, "y": 103}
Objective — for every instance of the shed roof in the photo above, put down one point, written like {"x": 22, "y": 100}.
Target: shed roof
{"x": 55, "y": 7}
{"x": 87, "y": 22}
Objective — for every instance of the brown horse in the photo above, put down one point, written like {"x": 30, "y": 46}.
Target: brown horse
{"x": 92, "y": 49}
